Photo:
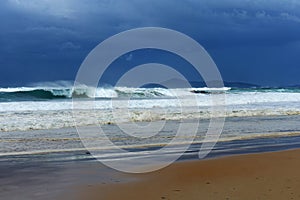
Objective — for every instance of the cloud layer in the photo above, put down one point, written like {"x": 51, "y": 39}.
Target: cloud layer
{"x": 254, "y": 41}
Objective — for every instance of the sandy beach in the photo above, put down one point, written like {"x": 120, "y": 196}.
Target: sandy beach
{"x": 274, "y": 175}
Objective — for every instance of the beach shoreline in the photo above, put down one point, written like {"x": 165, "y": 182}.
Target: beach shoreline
{"x": 272, "y": 175}
{"x": 77, "y": 175}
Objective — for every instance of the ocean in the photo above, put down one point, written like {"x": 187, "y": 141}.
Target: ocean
{"x": 37, "y": 120}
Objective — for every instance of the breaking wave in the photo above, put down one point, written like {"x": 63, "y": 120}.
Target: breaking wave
{"x": 31, "y": 93}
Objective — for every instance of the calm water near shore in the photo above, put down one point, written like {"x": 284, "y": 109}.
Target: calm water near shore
{"x": 67, "y": 140}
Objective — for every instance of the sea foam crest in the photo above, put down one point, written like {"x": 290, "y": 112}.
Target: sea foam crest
{"x": 29, "y": 93}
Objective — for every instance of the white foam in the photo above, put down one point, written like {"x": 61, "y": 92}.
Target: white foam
{"x": 29, "y": 115}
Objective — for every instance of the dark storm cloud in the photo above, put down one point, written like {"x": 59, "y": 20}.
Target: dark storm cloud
{"x": 254, "y": 41}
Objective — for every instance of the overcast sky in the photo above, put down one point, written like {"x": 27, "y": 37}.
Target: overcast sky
{"x": 254, "y": 41}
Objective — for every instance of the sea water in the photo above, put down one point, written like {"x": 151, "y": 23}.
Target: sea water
{"x": 41, "y": 119}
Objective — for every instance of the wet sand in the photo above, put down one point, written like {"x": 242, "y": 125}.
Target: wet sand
{"x": 273, "y": 175}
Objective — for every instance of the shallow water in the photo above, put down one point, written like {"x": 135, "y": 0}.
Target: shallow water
{"x": 68, "y": 140}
